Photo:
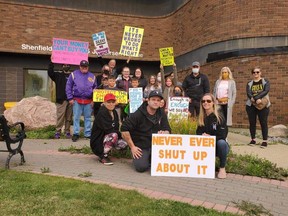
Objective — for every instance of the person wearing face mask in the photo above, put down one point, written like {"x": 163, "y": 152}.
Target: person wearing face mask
{"x": 225, "y": 93}
{"x": 63, "y": 108}
{"x": 195, "y": 86}
{"x": 178, "y": 91}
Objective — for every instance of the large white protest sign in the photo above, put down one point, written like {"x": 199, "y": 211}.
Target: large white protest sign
{"x": 183, "y": 155}
{"x": 178, "y": 107}
{"x": 101, "y": 44}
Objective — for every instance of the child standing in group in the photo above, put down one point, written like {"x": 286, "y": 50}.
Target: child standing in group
{"x": 152, "y": 85}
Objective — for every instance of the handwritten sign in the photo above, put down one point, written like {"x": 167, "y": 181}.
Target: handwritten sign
{"x": 131, "y": 41}
{"x": 178, "y": 107}
{"x": 166, "y": 56}
{"x": 183, "y": 155}
{"x": 101, "y": 44}
{"x": 69, "y": 51}
{"x": 98, "y": 95}
{"x": 136, "y": 98}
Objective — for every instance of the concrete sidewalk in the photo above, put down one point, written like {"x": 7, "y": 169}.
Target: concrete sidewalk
{"x": 276, "y": 153}
{"x": 210, "y": 193}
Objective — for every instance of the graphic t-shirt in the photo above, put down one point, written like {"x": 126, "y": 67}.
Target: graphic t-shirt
{"x": 257, "y": 87}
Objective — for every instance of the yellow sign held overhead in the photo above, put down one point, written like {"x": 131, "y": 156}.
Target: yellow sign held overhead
{"x": 166, "y": 56}
{"x": 131, "y": 41}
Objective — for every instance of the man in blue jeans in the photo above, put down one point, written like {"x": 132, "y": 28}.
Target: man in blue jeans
{"x": 79, "y": 91}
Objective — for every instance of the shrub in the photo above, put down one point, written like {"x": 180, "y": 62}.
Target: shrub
{"x": 183, "y": 126}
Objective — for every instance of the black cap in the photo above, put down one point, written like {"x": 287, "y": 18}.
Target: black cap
{"x": 84, "y": 63}
{"x": 168, "y": 74}
{"x": 155, "y": 93}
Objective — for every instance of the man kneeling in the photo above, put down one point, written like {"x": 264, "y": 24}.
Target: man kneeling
{"x": 105, "y": 131}
{"x": 137, "y": 129}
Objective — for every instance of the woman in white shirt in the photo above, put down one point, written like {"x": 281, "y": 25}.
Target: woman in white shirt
{"x": 225, "y": 93}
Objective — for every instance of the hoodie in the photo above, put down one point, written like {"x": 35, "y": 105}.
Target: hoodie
{"x": 142, "y": 125}
{"x": 103, "y": 125}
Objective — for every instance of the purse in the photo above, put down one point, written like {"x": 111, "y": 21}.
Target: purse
{"x": 263, "y": 104}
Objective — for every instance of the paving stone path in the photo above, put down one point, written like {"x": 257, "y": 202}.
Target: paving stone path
{"x": 211, "y": 193}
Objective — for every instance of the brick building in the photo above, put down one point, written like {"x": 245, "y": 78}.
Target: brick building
{"x": 237, "y": 34}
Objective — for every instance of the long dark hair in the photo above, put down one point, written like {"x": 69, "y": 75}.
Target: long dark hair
{"x": 142, "y": 74}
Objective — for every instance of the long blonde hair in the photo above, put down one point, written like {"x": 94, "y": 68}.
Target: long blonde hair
{"x": 230, "y": 76}
{"x": 216, "y": 112}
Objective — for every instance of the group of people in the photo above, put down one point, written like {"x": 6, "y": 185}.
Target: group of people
{"x": 111, "y": 129}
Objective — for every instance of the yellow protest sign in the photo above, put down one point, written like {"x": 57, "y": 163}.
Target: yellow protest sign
{"x": 131, "y": 41}
{"x": 98, "y": 95}
{"x": 166, "y": 56}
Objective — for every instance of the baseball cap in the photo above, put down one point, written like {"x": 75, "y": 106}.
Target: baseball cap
{"x": 84, "y": 63}
{"x": 155, "y": 93}
{"x": 109, "y": 96}
{"x": 196, "y": 63}
{"x": 168, "y": 74}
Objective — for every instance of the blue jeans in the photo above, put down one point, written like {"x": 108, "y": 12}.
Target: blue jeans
{"x": 78, "y": 109}
{"x": 222, "y": 149}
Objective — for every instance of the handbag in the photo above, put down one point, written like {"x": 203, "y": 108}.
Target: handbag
{"x": 263, "y": 104}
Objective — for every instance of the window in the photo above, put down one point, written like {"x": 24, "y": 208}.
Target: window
{"x": 37, "y": 83}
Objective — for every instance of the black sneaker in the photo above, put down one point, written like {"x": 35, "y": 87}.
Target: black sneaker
{"x": 75, "y": 137}
{"x": 106, "y": 161}
{"x": 87, "y": 137}
{"x": 263, "y": 145}
{"x": 252, "y": 143}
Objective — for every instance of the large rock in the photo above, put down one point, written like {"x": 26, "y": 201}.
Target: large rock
{"x": 35, "y": 112}
{"x": 278, "y": 131}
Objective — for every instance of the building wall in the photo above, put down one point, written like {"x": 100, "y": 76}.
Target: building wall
{"x": 196, "y": 24}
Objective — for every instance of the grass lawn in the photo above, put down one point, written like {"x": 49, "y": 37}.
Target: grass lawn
{"x": 36, "y": 194}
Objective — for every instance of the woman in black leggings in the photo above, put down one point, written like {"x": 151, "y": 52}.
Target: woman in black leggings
{"x": 257, "y": 92}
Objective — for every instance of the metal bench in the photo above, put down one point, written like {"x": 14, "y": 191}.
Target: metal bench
{"x": 13, "y": 135}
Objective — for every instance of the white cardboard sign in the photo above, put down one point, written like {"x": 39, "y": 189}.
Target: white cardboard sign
{"x": 183, "y": 155}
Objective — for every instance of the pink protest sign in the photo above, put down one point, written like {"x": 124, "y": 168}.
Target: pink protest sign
{"x": 69, "y": 51}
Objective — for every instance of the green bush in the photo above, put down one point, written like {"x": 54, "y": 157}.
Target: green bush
{"x": 183, "y": 126}
{"x": 254, "y": 166}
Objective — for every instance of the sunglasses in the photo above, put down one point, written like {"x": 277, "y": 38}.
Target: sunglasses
{"x": 255, "y": 72}
{"x": 208, "y": 101}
